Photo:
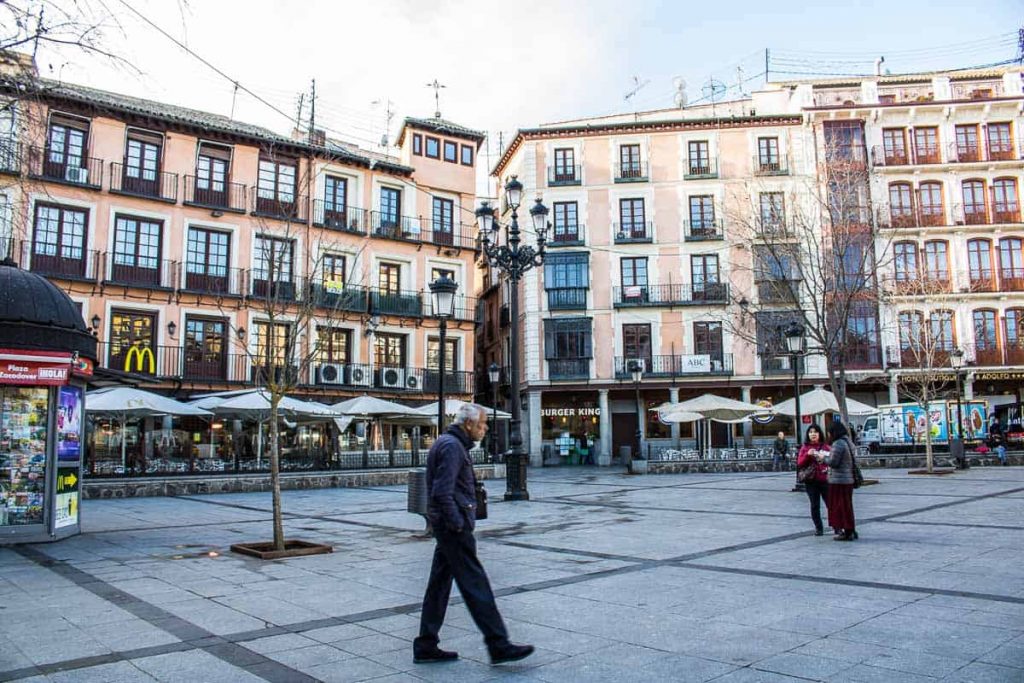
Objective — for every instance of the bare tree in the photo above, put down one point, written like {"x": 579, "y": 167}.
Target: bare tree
{"x": 811, "y": 256}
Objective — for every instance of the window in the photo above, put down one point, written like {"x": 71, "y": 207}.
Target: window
{"x": 940, "y": 326}
{"x": 979, "y": 260}
{"x": 636, "y": 343}
{"x": 775, "y": 264}
{"x": 629, "y": 161}
{"x": 929, "y": 200}
{"x": 133, "y": 330}
{"x": 389, "y": 278}
{"x": 273, "y": 259}
{"x": 273, "y": 344}
{"x": 901, "y": 205}
{"x": 773, "y": 212}
{"x": 699, "y": 156}
{"x": 565, "y": 165}
{"x": 1000, "y": 142}
{"x": 1004, "y": 201}
{"x": 417, "y": 144}
{"x": 566, "y": 280}
{"x": 275, "y": 185}
{"x": 985, "y": 337}
{"x": 633, "y": 271}
{"x": 58, "y": 241}
{"x": 1013, "y": 333}
{"x": 389, "y": 349}
{"x": 631, "y": 215}
{"x": 911, "y": 331}
{"x": 707, "y": 339}
{"x": 443, "y": 211}
{"x": 334, "y": 345}
{"x": 905, "y": 261}
{"x": 862, "y": 337}
{"x": 207, "y": 256}
{"x": 136, "y": 250}
{"x": 335, "y": 199}
{"x": 1011, "y": 263}
{"x": 704, "y": 276}
{"x": 894, "y": 145}
{"x": 566, "y": 228}
{"x": 702, "y": 214}
{"x": 936, "y": 261}
{"x": 567, "y": 338}
{"x": 844, "y": 141}
{"x": 205, "y": 352}
{"x": 65, "y": 146}
{"x": 467, "y": 155}
{"x": 768, "y": 158}
{"x": 975, "y": 211}
{"x": 967, "y": 143}
{"x": 335, "y": 272}
{"x": 926, "y": 145}
{"x": 212, "y": 171}
{"x": 438, "y": 273}
{"x": 451, "y": 151}
{"x": 433, "y": 148}
{"x": 142, "y": 163}
{"x": 451, "y": 354}
{"x": 390, "y": 206}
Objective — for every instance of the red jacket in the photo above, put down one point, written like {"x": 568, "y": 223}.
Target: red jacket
{"x": 805, "y": 458}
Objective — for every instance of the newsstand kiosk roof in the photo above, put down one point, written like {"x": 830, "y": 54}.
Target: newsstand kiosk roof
{"x": 46, "y": 354}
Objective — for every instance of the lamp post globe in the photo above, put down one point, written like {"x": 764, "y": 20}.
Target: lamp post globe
{"x": 442, "y": 293}
{"x": 494, "y": 375}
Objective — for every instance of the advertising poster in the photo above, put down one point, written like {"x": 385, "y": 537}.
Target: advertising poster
{"x": 915, "y": 422}
{"x": 69, "y": 424}
{"x": 975, "y": 420}
{"x": 67, "y": 497}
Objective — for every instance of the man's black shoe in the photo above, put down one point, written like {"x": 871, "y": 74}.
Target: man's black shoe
{"x": 437, "y": 655}
{"x": 510, "y": 653}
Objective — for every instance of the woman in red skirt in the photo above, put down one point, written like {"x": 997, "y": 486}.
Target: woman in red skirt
{"x": 840, "y": 483}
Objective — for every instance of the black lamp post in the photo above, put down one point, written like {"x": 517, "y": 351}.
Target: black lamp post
{"x": 442, "y": 290}
{"x": 636, "y": 369}
{"x": 514, "y": 259}
{"x": 494, "y": 374}
{"x": 795, "y": 347}
{"x": 956, "y": 446}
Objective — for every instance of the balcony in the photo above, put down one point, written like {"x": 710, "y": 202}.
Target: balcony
{"x": 862, "y": 357}
{"x": 390, "y": 378}
{"x": 920, "y": 283}
{"x": 1014, "y": 352}
{"x": 271, "y": 291}
{"x": 338, "y": 296}
{"x": 567, "y": 298}
{"x": 1011, "y": 279}
{"x": 568, "y": 368}
{"x": 10, "y": 156}
{"x": 292, "y": 209}
{"x": 218, "y": 196}
{"x": 407, "y": 304}
{"x": 700, "y": 169}
{"x": 637, "y": 232}
{"x": 53, "y": 261}
{"x": 132, "y": 270}
{"x": 189, "y": 362}
{"x": 935, "y": 357}
{"x": 564, "y": 176}
{"x": 779, "y": 291}
{"x": 980, "y": 280}
{"x": 691, "y": 365}
{"x": 656, "y": 296}
{"x": 880, "y": 156}
{"x": 567, "y": 236}
{"x": 983, "y": 152}
{"x": 348, "y": 219}
{"x": 394, "y": 227}
{"x": 465, "y": 308}
{"x": 447, "y": 234}
{"x": 135, "y": 182}
{"x": 703, "y": 230}
{"x": 914, "y": 217}
{"x": 206, "y": 278}
{"x": 634, "y": 172}
{"x": 1005, "y": 213}
{"x": 771, "y": 165}
{"x": 56, "y": 167}
{"x": 927, "y": 154}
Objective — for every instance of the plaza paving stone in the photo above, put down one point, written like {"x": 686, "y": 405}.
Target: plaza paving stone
{"x": 694, "y": 577}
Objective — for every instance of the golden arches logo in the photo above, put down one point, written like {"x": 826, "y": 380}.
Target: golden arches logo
{"x": 143, "y": 358}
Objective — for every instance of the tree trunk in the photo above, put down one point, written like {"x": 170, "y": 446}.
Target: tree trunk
{"x": 928, "y": 439}
{"x": 275, "y": 474}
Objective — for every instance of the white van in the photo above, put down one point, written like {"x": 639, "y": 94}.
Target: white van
{"x": 870, "y": 435}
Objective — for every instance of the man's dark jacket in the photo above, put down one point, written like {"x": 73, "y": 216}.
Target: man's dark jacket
{"x": 451, "y": 483}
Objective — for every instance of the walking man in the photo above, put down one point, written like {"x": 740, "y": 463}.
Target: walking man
{"x": 780, "y": 453}
{"x": 451, "y": 508}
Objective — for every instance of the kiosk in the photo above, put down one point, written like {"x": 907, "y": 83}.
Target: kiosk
{"x": 46, "y": 355}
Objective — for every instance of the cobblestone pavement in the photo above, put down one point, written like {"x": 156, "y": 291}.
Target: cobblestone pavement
{"x": 614, "y": 578}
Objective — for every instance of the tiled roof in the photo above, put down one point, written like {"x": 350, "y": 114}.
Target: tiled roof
{"x": 442, "y": 126}
{"x": 894, "y": 79}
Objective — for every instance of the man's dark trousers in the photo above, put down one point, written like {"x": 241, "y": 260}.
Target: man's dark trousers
{"x": 455, "y": 558}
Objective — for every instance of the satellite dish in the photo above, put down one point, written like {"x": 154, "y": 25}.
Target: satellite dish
{"x": 680, "y": 95}
{"x": 680, "y": 99}
{"x": 678, "y": 83}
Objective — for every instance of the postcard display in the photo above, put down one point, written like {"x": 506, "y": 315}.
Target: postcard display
{"x": 40, "y": 460}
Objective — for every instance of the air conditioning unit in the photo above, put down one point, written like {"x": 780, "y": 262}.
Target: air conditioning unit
{"x": 360, "y": 376}
{"x": 641, "y": 361}
{"x": 412, "y": 382}
{"x": 331, "y": 373}
{"x": 75, "y": 174}
{"x": 392, "y": 378}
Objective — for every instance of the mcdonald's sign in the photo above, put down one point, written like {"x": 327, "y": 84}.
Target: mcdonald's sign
{"x": 143, "y": 358}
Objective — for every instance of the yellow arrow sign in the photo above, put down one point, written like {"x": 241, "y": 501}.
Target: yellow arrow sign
{"x": 71, "y": 479}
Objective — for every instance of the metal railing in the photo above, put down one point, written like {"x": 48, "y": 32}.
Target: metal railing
{"x": 444, "y": 234}
{"x": 633, "y": 172}
{"x": 568, "y": 368}
{"x": 567, "y": 298}
{"x": 915, "y": 217}
{"x": 401, "y": 303}
{"x": 292, "y": 210}
{"x": 568, "y": 236}
{"x": 706, "y": 293}
{"x": 62, "y": 168}
{"x": 10, "y": 156}
{"x": 769, "y": 165}
{"x": 679, "y": 365}
{"x": 338, "y": 297}
{"x": 280, "y": 289}
{"x": 560, "y": 176}
{"x": 229, "y": 196}
{"x": 204, "y": 278}
{"x": 982, "y": 151}
{"x": 637, "y": 231}
{"x": 703, "y": 230}
{"x": 132, "y": 270}
{"x": 699, "y": 169}
{"x": 402, "y": 228}
{"x": 53, "y": 260}
{"x": 345, "y": 219}
{"x": 139, "y": 182}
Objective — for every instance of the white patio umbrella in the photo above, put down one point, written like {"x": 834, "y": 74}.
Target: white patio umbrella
{"x": 125, "y": 402}
{"x": 819, "y": 401}
{"x": 369, "y": 408}
{"x": 720, "y": 409}
{"x": 452, "y": 405}
{"x": 669, "y": 412}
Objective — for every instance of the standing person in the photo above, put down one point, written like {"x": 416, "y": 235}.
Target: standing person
{"x": 816, "y": 486}
{"x": 840, "y": 483}
{"x": 451, "y": 508}
{"x": 780, "y": 453}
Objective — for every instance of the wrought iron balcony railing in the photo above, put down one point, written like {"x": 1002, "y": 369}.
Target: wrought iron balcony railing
{"x": 209, "y": 194}
{"x": 654, "y": 296}
{"x": 140, "y": 182}
{"x": 632, "y": 172}
{"x": 701, "y": 230}
{"x": 560, "y": 176}
{"x": 634, "y": 231}
{"x": 342, "y": 218}
{"x": 59, "y": 167}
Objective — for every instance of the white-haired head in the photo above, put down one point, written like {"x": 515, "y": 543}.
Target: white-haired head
{"x": 469, "y": 411}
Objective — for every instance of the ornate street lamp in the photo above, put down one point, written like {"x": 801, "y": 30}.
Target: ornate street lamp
{"x": 794, "y": 334}
{"x": 636, "y": 370}
{"x": 956, "y": 446}
{"x": 442, "y": 291}
{"x": 514, "y": 259}
{"x": 494, "y": 374}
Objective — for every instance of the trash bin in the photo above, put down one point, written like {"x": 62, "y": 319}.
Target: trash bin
{"x": 417, "y": 503}
{"x": 625, "y": 454}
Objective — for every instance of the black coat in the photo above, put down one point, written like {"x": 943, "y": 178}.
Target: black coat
{"x": 451, "y": 482}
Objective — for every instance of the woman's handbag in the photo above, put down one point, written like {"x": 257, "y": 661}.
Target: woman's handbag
{"x": 807, "y": 474}
{"x": 858, "y": 477}
{"x": 481, "y": 501}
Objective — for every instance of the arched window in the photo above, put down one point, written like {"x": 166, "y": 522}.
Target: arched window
{"x": 941, "y": 333}
{"x": 1005, "y": 208}
{"x": 986, "y": 338}
{"x": 975, "y": 211}
{"x": 1013, "y": 335}
{"x": 936, "y": 263}
{"x": 911, "y": 337}
{"x": 979, "y": 260}
{"x": 901, "y": 205}
{"x": 1011, "y": 265}
{"x": 929, "y": 204}
{"x": 905, "y": 261}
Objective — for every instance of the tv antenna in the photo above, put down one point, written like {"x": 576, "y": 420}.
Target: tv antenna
{"x": 389, "y": 113}
{"x": 437, "y": 97}
{"x": 712, "y": 90}
{"x": 638, "y": 85}
{"x": 680, "y": 94}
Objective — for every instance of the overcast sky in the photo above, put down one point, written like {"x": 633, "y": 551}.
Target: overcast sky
{"x": 514, "y": 63}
